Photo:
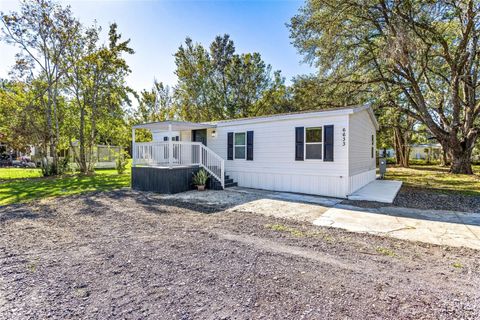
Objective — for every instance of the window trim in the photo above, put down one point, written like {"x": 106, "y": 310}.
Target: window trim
{"x": 239, "y": 145}
{"x": 305, "y": 144}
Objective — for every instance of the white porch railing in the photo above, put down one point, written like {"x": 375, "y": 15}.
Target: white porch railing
{"x": 183, "y": 154}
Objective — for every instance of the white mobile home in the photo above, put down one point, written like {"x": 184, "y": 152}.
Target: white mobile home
{"x": 329, "y": 152}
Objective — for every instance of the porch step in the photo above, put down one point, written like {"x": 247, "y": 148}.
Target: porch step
{"x": 231, "y": 184}
{"x": 214, "y": 184}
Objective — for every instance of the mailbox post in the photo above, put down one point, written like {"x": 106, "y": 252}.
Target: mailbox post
{"x": 382, "y": 164}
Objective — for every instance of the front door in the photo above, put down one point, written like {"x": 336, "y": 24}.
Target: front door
{"x": 200, "y": 136}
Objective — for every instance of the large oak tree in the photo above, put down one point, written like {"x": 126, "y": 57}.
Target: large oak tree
{"x": 424, "y": 53}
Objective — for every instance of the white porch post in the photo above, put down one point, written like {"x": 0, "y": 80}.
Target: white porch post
{"x": 170, "y": 146}
{"x": 134, "y": 149}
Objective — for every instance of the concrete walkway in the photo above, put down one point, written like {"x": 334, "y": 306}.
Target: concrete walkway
{"x": 450, "y": 228}
{"x": 441, "y": 227}
{"x": 457, "y": 229}
{"x": 378, "y": 190}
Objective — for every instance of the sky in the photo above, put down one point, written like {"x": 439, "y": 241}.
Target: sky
{"x": 158, "y": 28}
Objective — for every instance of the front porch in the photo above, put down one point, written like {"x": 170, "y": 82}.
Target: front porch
{"x": 166, "y": 165}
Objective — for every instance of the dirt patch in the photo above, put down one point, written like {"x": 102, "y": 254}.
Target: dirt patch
{"x": 421, "y": 198}
{"x": 129, "y": 254}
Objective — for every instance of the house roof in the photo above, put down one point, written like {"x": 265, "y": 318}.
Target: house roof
{"x": 176, "y": 125}
{"x": 185, "y": 125}
{"x": 301, "y": 114}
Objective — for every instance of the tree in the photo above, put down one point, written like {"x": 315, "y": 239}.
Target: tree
{"x": 222, "y": 52}
{"x": 43, "y": 30}
{"x": 95, "y": 78}
{"x": 195, "y": 95}
{"x": 312, "y": 92}
{"x": 424, "y": 52}
{"x": 15, "y": 129}
{"x": 218, "y": 83}
{"x": 155, "y": 104}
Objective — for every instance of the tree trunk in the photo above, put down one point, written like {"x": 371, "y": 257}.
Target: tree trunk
{"x": 402, "y": 149}
{"x": 82, "y": 163}
{"x": 461, "y": 161}
{"x": 444, "y": 161}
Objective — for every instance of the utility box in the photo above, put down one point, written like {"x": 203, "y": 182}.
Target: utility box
{"x": 382, "y": 164}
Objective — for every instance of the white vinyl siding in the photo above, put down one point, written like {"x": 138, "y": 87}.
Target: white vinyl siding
{"x": 362, "y": 138}
{"x": 274, "y": 166}
{"x": 361, "y": 132}
{"x": 161, "y": 135}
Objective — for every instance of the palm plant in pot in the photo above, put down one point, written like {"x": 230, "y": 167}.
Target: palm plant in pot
{"x": 200, "y": 179}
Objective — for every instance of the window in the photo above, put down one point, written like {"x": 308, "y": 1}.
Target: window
{"x": 239, "y": 146}
{"x": 313, "y": 143}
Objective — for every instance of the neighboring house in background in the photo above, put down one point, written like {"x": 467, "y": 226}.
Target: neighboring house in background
{"x": 386, "y": 153}
{"x": 329, "y": 152}
{"x": 104, "y": 156}
{"x": 431, "y": 151}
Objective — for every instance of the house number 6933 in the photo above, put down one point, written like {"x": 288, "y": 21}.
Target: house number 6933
{"x": 344, "y": 137}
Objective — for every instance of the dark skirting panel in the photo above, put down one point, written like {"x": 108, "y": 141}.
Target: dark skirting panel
{"x": 163, "y": 180}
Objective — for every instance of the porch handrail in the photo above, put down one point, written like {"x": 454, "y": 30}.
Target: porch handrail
{"x": 177, "y": 153}
{"x": 213, "y": 163}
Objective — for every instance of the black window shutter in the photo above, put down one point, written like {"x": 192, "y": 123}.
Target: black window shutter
{"x": 249, "y": 145}
{"x": 328, "y": 143}
{"x": 165, "y": 138}
{"x": 299, "y": 145}
{"x": 230, "y": 146}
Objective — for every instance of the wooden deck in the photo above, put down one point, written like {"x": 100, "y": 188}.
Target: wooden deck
{"x": 163, "y": 179}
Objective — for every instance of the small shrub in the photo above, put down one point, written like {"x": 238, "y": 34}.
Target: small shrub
{"x": 391, "y": 161}
{"x": 32, "y": 266}
{"x": 277, "y": 227}
{"x": 386, "y": 252}
{"x": 121, "y": 162}
{"x": 457, "y": 265}
{"x": 200, "y": 178}
{"x": 281, "y": 228}
{"x": 63, "y": 165}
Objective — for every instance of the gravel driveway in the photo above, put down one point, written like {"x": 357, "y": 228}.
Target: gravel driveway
{"x": 134, "y": 255}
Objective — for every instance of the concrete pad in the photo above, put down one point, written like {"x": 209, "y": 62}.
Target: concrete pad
{"x": 453, "y": 233}
{"x": 282, "y": 209}
{"x": 288, "y": 196}
{"x": 378, "y": 190}
{"x": 452, "y": 228}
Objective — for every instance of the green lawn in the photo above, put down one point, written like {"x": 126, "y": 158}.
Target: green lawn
{"x": 437, "y": 178}
{"x": 22, "y": 185}
{"x": 19, "y": 173}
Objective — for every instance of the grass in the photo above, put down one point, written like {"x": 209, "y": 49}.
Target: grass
{"x": 19, "y": 173}
{"x": 281, "y": 228}
{"x": 385, "y": 252}
{"x": 437, "y": 178}
{"x": 299, "y": 233}
{"x": 18, "y": 186}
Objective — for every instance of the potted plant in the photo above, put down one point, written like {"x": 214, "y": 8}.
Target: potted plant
{"x": 200, "y": 179}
